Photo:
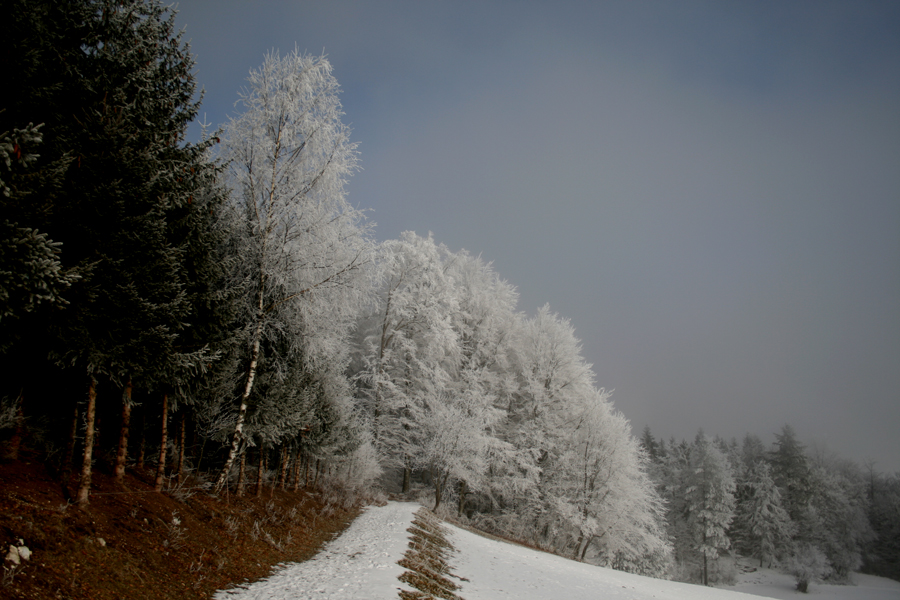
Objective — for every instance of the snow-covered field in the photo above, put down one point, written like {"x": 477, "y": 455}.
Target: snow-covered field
{"x": 362, "y": 565}
{"x": 773, "y": 584}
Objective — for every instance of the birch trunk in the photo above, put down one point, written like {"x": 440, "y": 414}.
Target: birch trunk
{"x": 122, "y": 454}
{"x": 163, "y": 441}
{"x": 242, "y": 412}
{"x": 84, "y": 484}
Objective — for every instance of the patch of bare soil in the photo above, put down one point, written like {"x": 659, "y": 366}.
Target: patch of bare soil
{"x": 132, "y": 542}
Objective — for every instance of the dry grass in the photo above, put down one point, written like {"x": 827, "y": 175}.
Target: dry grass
{"x": 132, "y": 542}
{"x": 427, "y": 560}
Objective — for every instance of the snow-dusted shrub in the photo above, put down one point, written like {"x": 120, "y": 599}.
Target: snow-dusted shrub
{"x": 808, "y": 564}
{"x": 723, "y": 571}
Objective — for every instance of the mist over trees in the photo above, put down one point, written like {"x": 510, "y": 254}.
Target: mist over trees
{"x": 220, "y": 307}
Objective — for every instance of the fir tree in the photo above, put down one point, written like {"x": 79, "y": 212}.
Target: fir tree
{"x": 112, "y": 83}
{"x": 709, "y": 501}
{"x": 761, "y": 521}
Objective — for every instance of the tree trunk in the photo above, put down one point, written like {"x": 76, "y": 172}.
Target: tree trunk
{"x": 242, "y": 468}
{"x": 439, "y": 489}
{"x": 181, "y": 436}
{"x": 437, "y": 498}
{"x": 242, "y": 412}
{"x": 298, "y": 463}
{"x": 97, "y": 425}
{"x": 139, "y": 462}
{"x": 462, "y": 499}
{"x": 15, "y": 442}
{"x": 259, "y": 472}
{"x": 705, "y": 570}
{"x": 163, "y": 442}
{"x": 578, "y": 542}
{"x": 587, "y": 544}
{"x": 200, "y": 455}
{"x": 122, "y": 454}
{"x": 84, "y": 484}
{"x": 285, "y": 463}
{"x": 66, "y": 474}
{"x": 407, "y": 472}
{"x": 306, "y": 479}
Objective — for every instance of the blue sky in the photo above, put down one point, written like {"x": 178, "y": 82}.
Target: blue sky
{"x": 710, "y": 191}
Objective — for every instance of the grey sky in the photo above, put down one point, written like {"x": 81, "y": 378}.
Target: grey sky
{"x": 709, "y": 191}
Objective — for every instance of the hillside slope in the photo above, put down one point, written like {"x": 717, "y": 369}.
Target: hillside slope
{"x": 132, "y": 542}
{"x": 362, "y": 564}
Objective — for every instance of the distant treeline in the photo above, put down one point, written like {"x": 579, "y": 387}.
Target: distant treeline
{"x": 817, "y": 515}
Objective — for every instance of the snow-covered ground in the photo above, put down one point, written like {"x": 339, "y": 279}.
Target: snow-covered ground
{"x": 359, "y": 565}
{"x": 362, "y": 565}
{"x": 774, "y": 584}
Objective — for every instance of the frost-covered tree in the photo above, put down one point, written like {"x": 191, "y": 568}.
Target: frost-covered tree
{"x": 709, "y": 501}
{"x": 408, "y": 349}
{"x": 455, "y": 438}
{"x": 791, "y": 472}
{"x": 485, "y": 324}
{"x": 752, "y": 451}
{"x": 764, "y": 527}
{"x": 882, "y": 556}
{"x": 839, "y": 503}
{"x": 302, "y": 246}
{"x": 553, "y": 376}
{"x": 610, "y": 502}
{"x": 649, "y": 443}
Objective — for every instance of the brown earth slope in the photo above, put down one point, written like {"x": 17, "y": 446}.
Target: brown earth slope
{"x": 132, "y": 542}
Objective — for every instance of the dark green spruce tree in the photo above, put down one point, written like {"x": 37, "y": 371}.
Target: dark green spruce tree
{"x": 111, "y": 84}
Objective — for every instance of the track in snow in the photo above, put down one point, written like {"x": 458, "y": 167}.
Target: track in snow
{"x": 361, "y": 564}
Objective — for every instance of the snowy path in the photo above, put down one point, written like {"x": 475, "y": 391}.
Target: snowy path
{"x": 359, "y": 565}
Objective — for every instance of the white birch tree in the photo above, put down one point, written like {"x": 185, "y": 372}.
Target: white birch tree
{"x": 301, "y": 246}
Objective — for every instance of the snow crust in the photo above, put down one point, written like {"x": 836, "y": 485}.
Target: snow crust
{"x": 362, "y": 565}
